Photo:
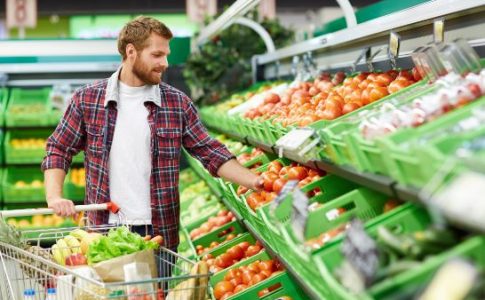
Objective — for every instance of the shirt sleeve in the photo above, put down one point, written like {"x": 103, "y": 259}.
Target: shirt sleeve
{"x": 210, "y": 152}
{"x": 67, "y": 140}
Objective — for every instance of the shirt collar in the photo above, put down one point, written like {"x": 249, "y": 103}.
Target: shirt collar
{"x": 113, "y": 90}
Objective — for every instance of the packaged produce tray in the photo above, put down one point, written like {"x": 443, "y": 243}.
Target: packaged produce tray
{"x": 405, "y": 221}
{"x": 29, "y": 107}
{"x": 400, "y": 150}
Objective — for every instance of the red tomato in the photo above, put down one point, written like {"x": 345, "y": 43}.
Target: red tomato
{"x": 236, "y": 252}
{"x": 279, "y": 184}
{"x": 221, "y": 288}
{"x": 397, "y": 85}
{"x": 275, "y": 167}
{"x": 267, "y": 265}
{"x": 384, "y": 79}
{"x": 246, "y": 276}
{"x": 236, "y": 281}
{"x": 284, "y": 171}
{"x": 269, "y": 178}
{"x": 256, "y": 279}
{"x": 253, "y": 199}
{"x": 272, "y": 98}
{"x": 232, "y": 273}
{"x": 254, "y": 266}
{"x": 244, "y": 245}
{"x": 253, "y": 250}
{"x": 377, "y": 93}
{"x": 349, "y": 107}
{"x": 242, "y": 190}
{"x": 390, "y": 205}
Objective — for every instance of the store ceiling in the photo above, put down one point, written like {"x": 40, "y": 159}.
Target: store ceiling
{"x": 74, "y": 7}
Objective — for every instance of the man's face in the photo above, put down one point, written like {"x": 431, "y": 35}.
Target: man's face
{"x": 151, "y": 62}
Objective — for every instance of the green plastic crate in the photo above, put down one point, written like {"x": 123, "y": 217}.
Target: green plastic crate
{"x": 29, "y": 154}
{"x": 245, "y": 237}
{"x": 219, "y": 235}
{"x": 263, "y": 159}
{"x": 211, "y": 209}
{"x": 327, "y": 259}
{"x": 20, "y": 112}
{"x": 403, "y": 163}
{"x": 13, "y": 192}
{"x": 331, "y": 187}
{"x": 287, "y": 287}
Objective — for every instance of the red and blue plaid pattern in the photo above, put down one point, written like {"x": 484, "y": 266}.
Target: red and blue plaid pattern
{"x": 89, "y": 125}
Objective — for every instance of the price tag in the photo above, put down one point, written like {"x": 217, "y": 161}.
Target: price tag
{"x": 439, "y": 30}
{"x": 460, "y": 200}
{"x": 360, "y": 251}
{"x": 394, "y": 44}
{"x": 285, "y": 191}
{"x": 299, "y": 216}
{"x": 295, "y": 139}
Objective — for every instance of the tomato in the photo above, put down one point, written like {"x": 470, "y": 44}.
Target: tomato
{"x": 270, "y": 197}
{"x": 244, "y": 245}
{"x": 304, "y": 182}
{"x": 247, "y": 275}
{"x": 384, "y": 79}
{"x": 225, "y": 260}
{"x": 377, "y": 93}
{"x": 236, "y": 280}
{"x": 405, "y": 74}
{"x": 364, "y": 97}
{"x": 230, "y": 236}
{"x": 267, "y": 265}
{"x": 416, "y": 74}
{"x": 372, "y": 76}
{"x": 272, "y": 98}
{"x": 256, "y": 279}
{"x": 363, "y": 84}
{"x": 392, "y": 73}
{"x": 239, "y": 288}
{"x": 268, "y": 179}
{"x": 397, "y": 85}
{"x": 279, "y": 184}
{"x": 253, "y": 199}
{"x": 254, "y": 266}
{"x": 313, "y": 91}
{"x": 242, "y": 190}
{"x": 283, "y": 172}
{"x": 221, "y": 288}
{"x": 253, "y": 250}
{"x": 275, "y": 167}
{"x": 236, "y": 252}
{"x": 265, "y": 273}
{"x": 349, "y": 107}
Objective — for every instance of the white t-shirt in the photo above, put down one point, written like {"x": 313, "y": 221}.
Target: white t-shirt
{"x": 130, "y": 160}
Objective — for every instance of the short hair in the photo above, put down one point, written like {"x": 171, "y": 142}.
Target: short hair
{"x": 138, "y": 31}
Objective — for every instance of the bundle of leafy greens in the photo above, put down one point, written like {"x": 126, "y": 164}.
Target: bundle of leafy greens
{"x": 117, "y": 242}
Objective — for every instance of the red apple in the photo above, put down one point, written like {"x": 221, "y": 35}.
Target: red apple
{"x": 77, "y": 259}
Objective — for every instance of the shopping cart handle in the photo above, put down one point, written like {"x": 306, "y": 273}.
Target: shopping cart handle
{"x": 112, "y": 207}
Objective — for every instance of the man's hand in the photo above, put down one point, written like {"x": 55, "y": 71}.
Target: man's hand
{"x": 62, "y": 207}
{"x": 258, "y": 184}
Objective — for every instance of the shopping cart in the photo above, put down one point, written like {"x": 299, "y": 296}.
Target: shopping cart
{"x": 28, "y": 272}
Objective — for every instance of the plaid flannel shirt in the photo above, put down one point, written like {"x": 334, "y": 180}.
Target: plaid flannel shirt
{"x": 88, "y": 124}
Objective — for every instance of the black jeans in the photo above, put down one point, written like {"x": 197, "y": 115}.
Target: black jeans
{"x": 165, "y": 260}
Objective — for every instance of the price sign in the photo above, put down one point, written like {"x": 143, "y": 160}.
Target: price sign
{"x": 21, "y": 13}
{"x": 299, "y": 215}
{"x": 299, "y": 141}
{"x": 439, "y": 30}
{"x": 394, "y": 44}
{"x": 360, "y": 251}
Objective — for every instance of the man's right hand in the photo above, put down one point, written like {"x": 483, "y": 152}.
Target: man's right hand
{"x": 62, "y": 207}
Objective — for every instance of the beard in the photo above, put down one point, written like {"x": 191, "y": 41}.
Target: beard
{"x": 146, "y": 74}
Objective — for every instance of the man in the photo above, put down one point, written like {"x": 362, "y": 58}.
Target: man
{"x": 132, "y": 127}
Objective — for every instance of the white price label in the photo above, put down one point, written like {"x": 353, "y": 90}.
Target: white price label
{"x": 439, "y": 30}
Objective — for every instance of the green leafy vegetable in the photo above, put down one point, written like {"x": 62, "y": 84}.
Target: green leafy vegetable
{"x": 117, "y": 242}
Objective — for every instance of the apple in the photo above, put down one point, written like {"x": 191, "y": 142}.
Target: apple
{"x": 77, "y": 259}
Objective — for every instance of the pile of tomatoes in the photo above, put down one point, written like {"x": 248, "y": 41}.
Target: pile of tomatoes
{"x": 326, "y": 98}
{"x": 245, "y": 157}
{"x": 239, "y": 279}
{"x": 275, "y": 178}
{"x": 233, "y": 255}
{"x": 222, "y": 218}
{"x": 201, "y": 249}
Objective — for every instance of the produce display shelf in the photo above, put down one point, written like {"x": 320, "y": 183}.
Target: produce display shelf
{"x": 288, "y": 267}
{"x": 376, "y": 182}
{"x": 407, "y": 193}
